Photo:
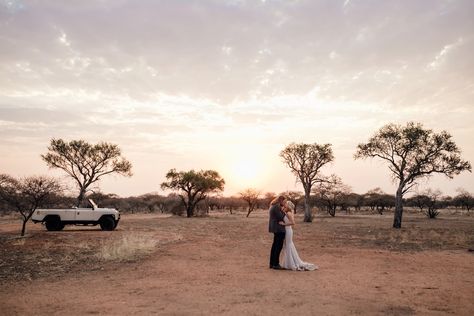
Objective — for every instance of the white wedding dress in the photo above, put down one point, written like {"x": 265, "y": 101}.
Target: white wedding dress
{"x": 291, "y": 260}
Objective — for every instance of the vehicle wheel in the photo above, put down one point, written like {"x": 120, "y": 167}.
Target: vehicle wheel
{"x": 107, "y": 223}
{"x": 54, "y": 224}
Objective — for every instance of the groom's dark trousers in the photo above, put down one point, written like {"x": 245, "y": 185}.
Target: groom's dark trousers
{"x": 276, "y": 215}
{"x": 278, "y": 239}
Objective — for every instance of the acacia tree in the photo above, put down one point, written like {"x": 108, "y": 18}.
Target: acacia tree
{"x": 433, "y": 203}
{"x": 193, "y": 186}
{"x": 464, "y": 199}
{"x": 332, "y": 192}
{"x": 305, "y": 162}
{"x": 420, "y": 200}
{"x": 353, "y": 200}
{"x": 413, "y": 152}
{"x": 86, "y": 163}
{"x": 250, "y": 196}
{"x": 377, "y": 199}
{"x": 25, "y": 195}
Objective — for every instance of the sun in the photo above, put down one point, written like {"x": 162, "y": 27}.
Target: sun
{"x": 246, "y": 170}
{"x": 245, "y": 167}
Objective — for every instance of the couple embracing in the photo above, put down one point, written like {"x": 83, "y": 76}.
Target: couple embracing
{"x": 280, "y": 224}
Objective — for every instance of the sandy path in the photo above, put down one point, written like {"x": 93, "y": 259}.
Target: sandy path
{"x": 220, "y": 269}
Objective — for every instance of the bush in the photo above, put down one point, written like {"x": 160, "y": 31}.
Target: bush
{"x": 432, "y": 212}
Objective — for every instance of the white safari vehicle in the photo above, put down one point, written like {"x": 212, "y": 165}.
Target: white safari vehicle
{"x": 56, "y": 219}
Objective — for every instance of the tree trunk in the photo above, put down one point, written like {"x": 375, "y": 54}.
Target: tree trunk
{"x": 397, "y": 217}
{"x": 380, "y": 210}
{"x": 189, "y": 209}
{"x": 23, "y": 228}
{"x": 308, "y": 217}
{"x": 189, "y": 212}
{"x": 81, "y": 196}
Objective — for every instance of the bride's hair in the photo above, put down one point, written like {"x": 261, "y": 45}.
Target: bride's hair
{"x": 290, "y": 205}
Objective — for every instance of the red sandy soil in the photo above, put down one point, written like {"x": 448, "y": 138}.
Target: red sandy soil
{"x": 219, "y": 265}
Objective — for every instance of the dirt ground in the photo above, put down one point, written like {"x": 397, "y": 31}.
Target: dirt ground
{"x": 167, "y": 265}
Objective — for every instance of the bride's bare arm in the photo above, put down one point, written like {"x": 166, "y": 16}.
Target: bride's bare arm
{"x": 291, "y": 217}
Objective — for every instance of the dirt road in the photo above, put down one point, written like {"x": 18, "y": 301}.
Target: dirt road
{"x": 219, "y": 265}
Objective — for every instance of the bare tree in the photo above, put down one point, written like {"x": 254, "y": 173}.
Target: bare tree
{"x": 266, "y": 199}
{"x": 305, "y": 162}
{"x": 86, "y": 163}
{"x": 25, "y": 195}
{"x": 250, "y": 196}
{"x": 232, "y": 203}
{"x": 413, "y": 152}
{"x": 332, "y": 192}
{"x": 193, "y": 186}
{"x": 295, "y": 197}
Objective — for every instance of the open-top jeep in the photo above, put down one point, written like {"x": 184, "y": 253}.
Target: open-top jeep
{"x": 56, "y": 219}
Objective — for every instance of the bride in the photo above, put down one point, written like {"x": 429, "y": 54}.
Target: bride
{"x": 291, "y": 260}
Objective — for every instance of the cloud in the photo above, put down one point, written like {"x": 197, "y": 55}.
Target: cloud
{"x": 442, "y": 55}
{"x": 218, "y": 50}
{"x": 174, "y": 77}
{"x": 11, "y": 6}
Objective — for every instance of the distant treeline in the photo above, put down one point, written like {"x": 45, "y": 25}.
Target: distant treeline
{"x": 374, "y": 200}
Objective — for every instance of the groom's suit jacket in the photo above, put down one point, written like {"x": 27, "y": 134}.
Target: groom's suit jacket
{"x": 276, "y": 215}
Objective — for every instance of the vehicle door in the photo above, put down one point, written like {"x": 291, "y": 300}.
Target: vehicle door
{"x": 68, "y": 215}
{"x": 85, "y": 214}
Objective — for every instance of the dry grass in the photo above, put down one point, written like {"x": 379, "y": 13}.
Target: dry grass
{"x": 417, "y": 239}
{"x": 75, "y": 249}
{"x": 18, "y": 242}
{"x": 128, "y": 247}
{"x": 367, "y": 267}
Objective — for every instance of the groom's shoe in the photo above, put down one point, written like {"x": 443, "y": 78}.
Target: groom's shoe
{"x": 278, "y": 267}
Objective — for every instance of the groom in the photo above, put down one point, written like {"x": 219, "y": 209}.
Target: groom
{"x": 276, "y": 215}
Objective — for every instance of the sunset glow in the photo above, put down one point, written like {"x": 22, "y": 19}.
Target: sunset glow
{"x": 247, "y": 171}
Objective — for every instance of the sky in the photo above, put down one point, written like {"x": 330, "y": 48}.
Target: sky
{"x": 227, "y": 84}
